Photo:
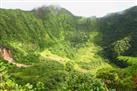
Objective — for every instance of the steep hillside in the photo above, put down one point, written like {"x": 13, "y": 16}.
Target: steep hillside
{"x": 119, "y": 32}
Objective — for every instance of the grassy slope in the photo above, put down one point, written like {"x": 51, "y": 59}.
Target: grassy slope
{"x": 89, "y": 59}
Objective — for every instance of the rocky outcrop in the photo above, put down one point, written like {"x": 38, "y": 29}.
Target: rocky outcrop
{"x": 5, "y": 53}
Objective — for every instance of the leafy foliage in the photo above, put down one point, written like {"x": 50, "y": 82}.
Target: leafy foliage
{"x": 83, "y": 82}
{"x": 8, "y": 84}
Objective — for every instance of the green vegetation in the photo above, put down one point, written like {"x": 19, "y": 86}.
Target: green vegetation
{"x": 67, "y": 52}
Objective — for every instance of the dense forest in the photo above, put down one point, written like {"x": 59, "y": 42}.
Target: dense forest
{"x": 53, "y": 50}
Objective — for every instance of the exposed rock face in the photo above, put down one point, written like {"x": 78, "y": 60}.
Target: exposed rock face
{"x": 5, "y": 53}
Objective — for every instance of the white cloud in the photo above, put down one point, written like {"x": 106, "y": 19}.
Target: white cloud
{"x": 77, "y": 7}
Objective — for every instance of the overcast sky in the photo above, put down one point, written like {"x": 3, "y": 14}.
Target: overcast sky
{"x": 85, "y": 8}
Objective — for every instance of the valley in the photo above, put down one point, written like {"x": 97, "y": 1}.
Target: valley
{"x": 50, "y": 49}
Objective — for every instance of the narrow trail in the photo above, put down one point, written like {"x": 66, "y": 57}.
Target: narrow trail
{"x": 19, "y": 65}
{"x": 57, "y": 58}
{"x": 52, "y": 57}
